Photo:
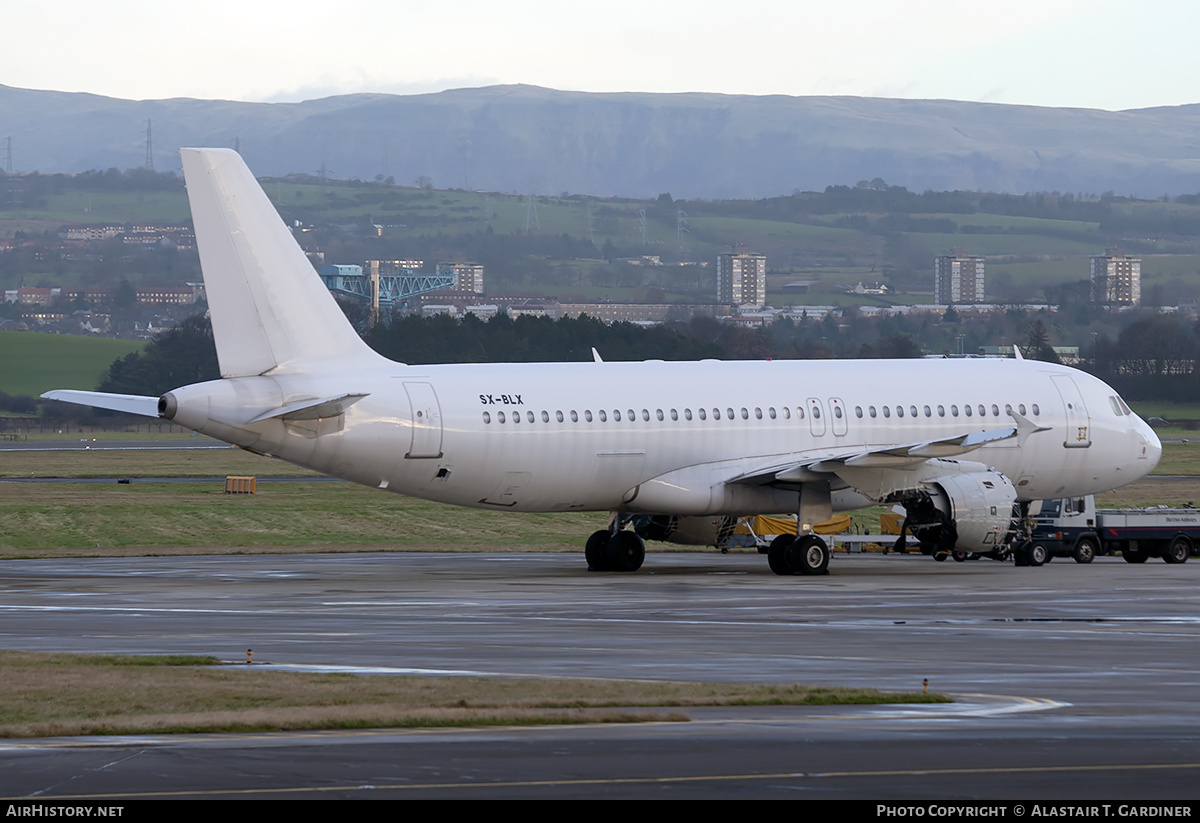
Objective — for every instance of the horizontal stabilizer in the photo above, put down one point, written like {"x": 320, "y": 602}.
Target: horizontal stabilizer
{"x": 128, "y": 403}
{"x": 311, "y": 409}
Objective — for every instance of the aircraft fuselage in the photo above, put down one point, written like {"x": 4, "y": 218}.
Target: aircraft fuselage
{"x": 586, "y": 436}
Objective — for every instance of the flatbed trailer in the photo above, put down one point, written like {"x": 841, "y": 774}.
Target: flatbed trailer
{"x": 1074, "y": 527}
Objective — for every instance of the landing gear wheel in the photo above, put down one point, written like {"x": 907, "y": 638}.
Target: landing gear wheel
{"x": 958, "y": 557}
{"x": 777, "y": 554}
{"x": 596, "y": 551}
{"x": 1030, "y": 554}
{"x": 1085, "y": 551}
{"x": 1178, "y": 551}
{"x": 626, "y": 552}
{"x": 808, "y": 555}
{"x": 940, "y": 557}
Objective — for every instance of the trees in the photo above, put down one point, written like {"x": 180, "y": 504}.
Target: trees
{"x": 1037, "y": 343}
{"x": 183, "y": 355}
{"x": 1160, "y": 344}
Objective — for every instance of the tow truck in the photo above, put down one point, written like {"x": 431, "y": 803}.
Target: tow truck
{"x": 1074, "y": 527}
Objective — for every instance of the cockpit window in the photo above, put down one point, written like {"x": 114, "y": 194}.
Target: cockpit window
{"x": 1124, "y": 407}
{"x": 1116, "y": 407}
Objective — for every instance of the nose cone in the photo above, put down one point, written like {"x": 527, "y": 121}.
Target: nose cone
{"x": 1151, "y": 446}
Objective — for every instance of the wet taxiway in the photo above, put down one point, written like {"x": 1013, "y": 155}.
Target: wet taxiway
{"x": 1073, "y": 681}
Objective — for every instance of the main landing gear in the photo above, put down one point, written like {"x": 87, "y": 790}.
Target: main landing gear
{"x": 614, "y": 551}
{"x": 1030, "y": 553}
{"x": 798, "y": 554}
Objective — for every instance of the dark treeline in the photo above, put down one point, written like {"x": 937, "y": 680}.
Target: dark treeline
{"x": 1151, "y": 222}
{"x": 878, "y": 198}
{"x": 1154, "y": 357}
{"x": 185, "y": 354}
{"x": 442, "y": 339}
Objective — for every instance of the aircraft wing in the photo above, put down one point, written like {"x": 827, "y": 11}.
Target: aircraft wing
{"x": 902, "y": 457}
{"x": 128, "y": 403}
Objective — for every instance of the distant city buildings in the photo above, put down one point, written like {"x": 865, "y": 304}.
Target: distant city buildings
{"x": 467, "y": 276}
{"x": 389, "y": 268}
{"x": 141, "y": 234}
{"x": 458, "y": 304}
{"x": 957, "y": 279}
{"x": 874, "y": 288}
{"x": 1116, "y": 278}
{"x": 150, "y": 295}
{"x": 742, "y": 279}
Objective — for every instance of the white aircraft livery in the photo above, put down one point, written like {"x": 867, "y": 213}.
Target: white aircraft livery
{"x": 673, "y": 450}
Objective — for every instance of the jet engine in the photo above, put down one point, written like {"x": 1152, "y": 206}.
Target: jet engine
{"x": 686, "y": 531}
{"x": 972, "y": 512}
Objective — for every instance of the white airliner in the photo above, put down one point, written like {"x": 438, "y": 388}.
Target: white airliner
{"x": 672, "y": 449}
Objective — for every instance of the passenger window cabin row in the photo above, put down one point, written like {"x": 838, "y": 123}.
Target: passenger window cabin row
{"x": 758, "y": 413}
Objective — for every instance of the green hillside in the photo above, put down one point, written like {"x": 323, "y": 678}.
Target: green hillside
{"x": 32, "y": 363}
{"x": 572, "y": 246}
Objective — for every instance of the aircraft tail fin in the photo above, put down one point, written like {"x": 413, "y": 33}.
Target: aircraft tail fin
{"x": 269, "y": 307}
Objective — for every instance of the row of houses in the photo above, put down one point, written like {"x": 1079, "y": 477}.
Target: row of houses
{"x": 134, "y": 234}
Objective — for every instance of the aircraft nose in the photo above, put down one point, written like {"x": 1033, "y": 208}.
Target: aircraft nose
{"x": 1151, "y": 446}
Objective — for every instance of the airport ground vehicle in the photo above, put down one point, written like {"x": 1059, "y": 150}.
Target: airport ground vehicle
{"x": 1074, "y": 527}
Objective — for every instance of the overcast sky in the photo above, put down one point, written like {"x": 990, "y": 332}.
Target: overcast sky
{"x": 1109, "y": 54}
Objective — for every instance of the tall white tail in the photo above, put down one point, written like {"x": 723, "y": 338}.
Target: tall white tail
{"x": 269, "y": 307}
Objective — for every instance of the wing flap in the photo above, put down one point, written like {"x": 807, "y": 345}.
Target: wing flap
{"x": 904, "y": 457}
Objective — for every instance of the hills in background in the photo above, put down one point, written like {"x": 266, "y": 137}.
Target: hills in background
{"x": 528, "y": 139}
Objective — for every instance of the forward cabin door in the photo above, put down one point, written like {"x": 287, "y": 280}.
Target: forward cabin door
{"x": 1078, "y": 433}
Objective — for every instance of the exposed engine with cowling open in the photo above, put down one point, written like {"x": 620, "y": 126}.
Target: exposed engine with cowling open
{"x": 971, "y": 512}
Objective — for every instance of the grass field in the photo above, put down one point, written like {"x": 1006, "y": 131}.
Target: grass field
{"x": 32, "y": 363}
{"x": 149, "y": 518}
{"x": 107, "y": 207}
{"x": 72, "y": 694}
{"x": 1168, "y": 411}
{"x": 1179, "y": 459}
{"x": 73, "y": 519}
{"x": 216, "y": 462}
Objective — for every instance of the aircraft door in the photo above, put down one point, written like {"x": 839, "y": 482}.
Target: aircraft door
{"x": 838, "y": 418}
{"x": 816, "y": 417}
{"x": 426, "y": 421}
{"x": 1077, "y": 435}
